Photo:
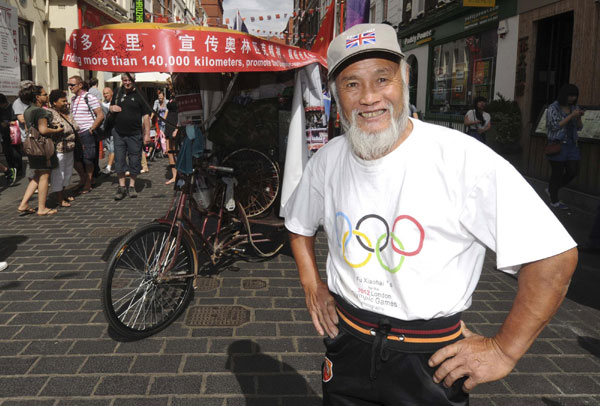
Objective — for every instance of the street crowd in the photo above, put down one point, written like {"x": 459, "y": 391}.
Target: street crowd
{"x": 80, "y": 126}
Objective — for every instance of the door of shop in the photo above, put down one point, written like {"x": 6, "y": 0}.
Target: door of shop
{"x": 552, "y": 59}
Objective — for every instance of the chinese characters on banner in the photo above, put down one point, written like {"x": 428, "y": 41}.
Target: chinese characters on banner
{"x": 10, "y": 72}
{"x": 168, "y": 50}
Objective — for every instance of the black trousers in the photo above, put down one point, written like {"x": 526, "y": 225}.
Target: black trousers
{"x": 562, "y": 172}
{"x": 13, "y": 154}
{"x": 401, "y": 378}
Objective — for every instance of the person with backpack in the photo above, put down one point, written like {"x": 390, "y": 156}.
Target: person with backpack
{"x": 87, "y": 113}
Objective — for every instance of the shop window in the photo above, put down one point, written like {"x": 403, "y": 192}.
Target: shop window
{"x": 25, "y": 50}
{"x": 462, "y": 70}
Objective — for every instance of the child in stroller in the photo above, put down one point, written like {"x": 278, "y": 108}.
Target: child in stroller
{"x": 157, "y": 147}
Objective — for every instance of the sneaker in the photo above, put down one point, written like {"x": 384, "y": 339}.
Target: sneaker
{"x": 11, "y": 175}
{"x": 131, "y": 192}
{"x": 559, "y": 205}
{"x": 121, "y": 192}
{"x": 105, "y": 171}
{"x": 3, "y": 265}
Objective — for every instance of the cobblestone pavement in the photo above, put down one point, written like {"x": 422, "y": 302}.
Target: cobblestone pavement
{"x": 55, "y": 349}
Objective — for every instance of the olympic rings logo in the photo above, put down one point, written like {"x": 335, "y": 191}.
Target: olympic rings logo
{"x": 381, "y": 242}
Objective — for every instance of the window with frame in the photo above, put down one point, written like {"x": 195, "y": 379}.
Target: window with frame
{"x": 25, "y": 50}
{"x": 462, "y": 70}
{"x": 385, "y": 10}
{"x": 372, "y": 15}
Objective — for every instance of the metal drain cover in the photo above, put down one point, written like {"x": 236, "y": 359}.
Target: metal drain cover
{"x": 206, "y": 284}
{"x": 110, "y": 231}
{"x": 217, "y": 316}
{"x": 254, "y": 284}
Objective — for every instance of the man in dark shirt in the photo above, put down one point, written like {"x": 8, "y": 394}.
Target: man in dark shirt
{"x": 131, "y": 121}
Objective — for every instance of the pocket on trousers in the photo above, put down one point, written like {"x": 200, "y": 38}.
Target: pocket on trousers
{"x": 334, "y": 345}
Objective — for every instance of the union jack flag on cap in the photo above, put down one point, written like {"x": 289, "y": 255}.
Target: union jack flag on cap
{"x": 364, "y": 38}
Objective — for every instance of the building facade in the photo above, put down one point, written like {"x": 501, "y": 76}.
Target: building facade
{"x": 457, "y": 53}
{"x": 559, "y": 43}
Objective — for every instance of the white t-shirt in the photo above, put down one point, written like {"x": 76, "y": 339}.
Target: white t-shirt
{"x": 472, "y": 117}
{"x": 407, "y": 232}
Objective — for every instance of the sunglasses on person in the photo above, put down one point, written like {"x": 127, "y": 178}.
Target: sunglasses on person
{"x": 72, "y": 84}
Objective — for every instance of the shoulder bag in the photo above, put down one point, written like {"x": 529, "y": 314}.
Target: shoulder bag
{"x": 552, "y": 148}
{"x": 102, "y": 131}
{"x": 38, "y": 146}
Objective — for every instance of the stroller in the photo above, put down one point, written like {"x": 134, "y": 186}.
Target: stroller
{"x": 157, "y": 148}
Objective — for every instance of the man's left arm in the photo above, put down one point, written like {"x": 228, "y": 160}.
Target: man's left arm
{"x": 146, "y": 128}
{"x": 99, "y": 118}
{"x": 542, "y": 287}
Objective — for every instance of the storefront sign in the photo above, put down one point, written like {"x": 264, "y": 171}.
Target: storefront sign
{"x": 198, "y": 49}
{"x": 481, "y": 17}
{"x": 139, "y": 16}
{"x": 479, "y": 3}
{"x": 92, "y": 17}
{"x": 418, "y": 38}
{"x": 10, "y": 67}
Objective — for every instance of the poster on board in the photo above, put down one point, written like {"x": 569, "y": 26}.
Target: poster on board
{"x": 10, "y": 71}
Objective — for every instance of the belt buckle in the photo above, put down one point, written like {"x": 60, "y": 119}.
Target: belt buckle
{"x": 373, "y": 333}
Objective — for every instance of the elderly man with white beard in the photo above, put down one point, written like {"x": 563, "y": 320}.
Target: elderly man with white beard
{"x": 409, "y": 209}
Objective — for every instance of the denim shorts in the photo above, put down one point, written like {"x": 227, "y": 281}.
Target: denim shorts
{"x": 128, "y": 152}
{"x": 88, "y": 142}
{"x": 109, "y": 143}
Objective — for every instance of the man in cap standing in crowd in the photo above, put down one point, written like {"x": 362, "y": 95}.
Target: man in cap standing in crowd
{"x": 409, "y": 209}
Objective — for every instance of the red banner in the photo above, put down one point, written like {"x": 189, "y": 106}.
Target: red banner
{"x": 123, "y": 48}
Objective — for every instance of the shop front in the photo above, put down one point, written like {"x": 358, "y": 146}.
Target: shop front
{"x": 461, "y": 59}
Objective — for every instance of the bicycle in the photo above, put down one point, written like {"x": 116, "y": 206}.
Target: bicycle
{"x": 152, "y": 272}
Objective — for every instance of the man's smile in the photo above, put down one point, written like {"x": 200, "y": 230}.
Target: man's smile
{"x": 372, "y": 114}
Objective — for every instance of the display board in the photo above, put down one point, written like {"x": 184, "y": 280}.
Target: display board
{"x": 590, "y": 120}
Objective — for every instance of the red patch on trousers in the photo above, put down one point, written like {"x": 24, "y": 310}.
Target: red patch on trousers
{"x": 327, "y": 370}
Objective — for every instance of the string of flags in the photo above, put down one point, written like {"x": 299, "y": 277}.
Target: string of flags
{"x": 298, "y": 13}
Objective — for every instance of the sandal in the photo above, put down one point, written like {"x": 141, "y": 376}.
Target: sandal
{"x": 70, "y": 199}
{"x": 85, "y": 191}
{"x": 172, "y": 180}
{"x": 65, "y": 203}
{"x": 25, "y": 212}
{"x": 50, "y": 212}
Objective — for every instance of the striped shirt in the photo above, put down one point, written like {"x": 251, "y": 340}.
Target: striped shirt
{"x": 80, "y": 111}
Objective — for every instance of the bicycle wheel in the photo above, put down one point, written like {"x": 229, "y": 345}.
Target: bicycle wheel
{"x": 257, "y": 177}
{"x": 136, "y": 303}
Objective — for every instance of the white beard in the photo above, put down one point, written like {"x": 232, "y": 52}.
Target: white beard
{"x": 371, "y": 146}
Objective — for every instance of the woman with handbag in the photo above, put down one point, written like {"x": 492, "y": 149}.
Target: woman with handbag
{"x": 563, "y": 120}
{"x": 40, "y": 119}
{"x": 64, "y": 143}
{"x": 477, "y": 121}
{"x": 171, "y": 131}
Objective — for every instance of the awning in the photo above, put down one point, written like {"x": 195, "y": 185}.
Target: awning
{"x": 153, "y": 47}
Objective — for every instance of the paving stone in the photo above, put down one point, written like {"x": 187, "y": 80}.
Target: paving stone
{"x": 47, "y": 347}
{"x": 24, "y": 307}
{"x": 28, "y": 403}
{"x": 542, "y": 401}
{"x": 72, "y": 317}
{"x": 297, "y": 329}
{"x": 206, "y": 363}
{"x": 195, "y": 401}
{"x": 311, "y": 345}
{"x": 530, "y": 384}
{"x": 8, "y": 348}
{"x": 151, "y": 346}
{"x": 21, "y": 386}
{"x": 253, "y": 401}
{"x": 107, "y": 364}
{"x": 212, "y": 332}
{"x": 576, "y": 364}
{"x": 38, "y": 332}
{"x": 156, "y": 363}
{"x": 282, "y": 384}
{"x": 53, "y": 295}
{"x": 301, "y": 362}
{"x": 83, "y": 331}
{"x": 122, "y": 385}
{"x": 273, "y": 315}
{"x": 84, "y": 402}
{"x": 275, "y": 345}
{"x": 186, "y": 346}
{"x": 93, "y": 347}
{"x": 31, "y": 318}
{"x": 576, "y": 384}
{"x": 179, "y": 385}
{"x": 531, "y": 363}
{"x": 15, "y": 365}
{"x": 145, "y": 401}
{"x": 228, "y": 383}
{"x": 61, "y": 365}
{"x": 257, "y": 329}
